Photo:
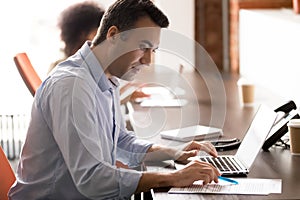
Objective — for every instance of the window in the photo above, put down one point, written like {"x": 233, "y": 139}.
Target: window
{"x": 28, "y": 26}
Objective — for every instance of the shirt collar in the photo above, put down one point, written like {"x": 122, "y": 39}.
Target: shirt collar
{"x": 96, "y": 69}
{"x": 115, "y": 81}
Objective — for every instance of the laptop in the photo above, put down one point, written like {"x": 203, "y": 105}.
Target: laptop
{"x": 240, "y": 163}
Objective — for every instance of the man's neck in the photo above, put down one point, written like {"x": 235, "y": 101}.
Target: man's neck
{"x": 100, "y": 51}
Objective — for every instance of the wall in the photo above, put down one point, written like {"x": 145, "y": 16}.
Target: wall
{"x": 269, "y": 50}
{"x": 211, "y": 30}
{"x": 235, "y": 6}
{"x": 181, "y": 17}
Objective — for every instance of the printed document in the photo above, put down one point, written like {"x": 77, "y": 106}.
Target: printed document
{"x": 245, "y": 186}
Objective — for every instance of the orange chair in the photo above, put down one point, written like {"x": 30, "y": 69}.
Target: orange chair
{"x": 7, "y": 176}
{"x": 27, "y": 72}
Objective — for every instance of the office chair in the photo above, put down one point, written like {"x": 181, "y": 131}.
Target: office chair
{"x": 7, "y": 175}
{"x": 27, "y": 72}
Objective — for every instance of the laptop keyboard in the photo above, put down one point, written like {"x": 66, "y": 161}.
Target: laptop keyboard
{"x": 224, "y": 164}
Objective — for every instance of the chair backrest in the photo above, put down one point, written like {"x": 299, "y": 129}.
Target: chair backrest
{"x": 7, "y": 176}
{"x": 27, "y": 72}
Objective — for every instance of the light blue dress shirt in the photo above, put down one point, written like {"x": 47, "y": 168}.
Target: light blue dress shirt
{"x": 75, "y": 136}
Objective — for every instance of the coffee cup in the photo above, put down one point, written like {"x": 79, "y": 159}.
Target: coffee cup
{"x": 294, "y": 131}
{"x": 246, "y": 92}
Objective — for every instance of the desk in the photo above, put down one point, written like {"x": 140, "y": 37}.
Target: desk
{"x": 277, "y": 163}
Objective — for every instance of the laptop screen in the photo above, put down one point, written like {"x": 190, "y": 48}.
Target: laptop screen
{"x": 256, "y": 135}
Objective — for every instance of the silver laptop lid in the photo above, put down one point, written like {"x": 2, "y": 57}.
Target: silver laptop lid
{"x": 256, "y": 135}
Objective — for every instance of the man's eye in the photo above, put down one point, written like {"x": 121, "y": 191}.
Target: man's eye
{"x": 146, "y": 47}
{"x": 143, "y": 47}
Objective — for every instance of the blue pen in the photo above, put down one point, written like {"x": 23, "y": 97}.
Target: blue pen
{"x": 228, "y": 180}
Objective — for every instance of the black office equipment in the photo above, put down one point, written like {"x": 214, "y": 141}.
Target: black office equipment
{"x": 287, "y": 107}
{"x": 280, "y": 128}
{"x": 227, "y": 144}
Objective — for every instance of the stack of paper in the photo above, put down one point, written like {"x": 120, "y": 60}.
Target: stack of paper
{"x": 245, "y": 186}
{"x": 196, "y": 132}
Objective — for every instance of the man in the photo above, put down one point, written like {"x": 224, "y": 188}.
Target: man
{"x": 78, "y": 23}
{"x": 77, "y": 132}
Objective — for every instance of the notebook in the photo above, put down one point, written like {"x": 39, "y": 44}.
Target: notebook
{"x": 189, "y": 133}
{"x": 241, "y": 162}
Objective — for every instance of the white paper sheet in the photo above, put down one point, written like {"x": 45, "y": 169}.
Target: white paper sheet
{"x": 163, "y": 103}
{"x": 246, "y": 186}
{"x": 162, "y": 97}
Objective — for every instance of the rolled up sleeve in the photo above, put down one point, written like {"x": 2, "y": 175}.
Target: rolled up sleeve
{"x": 131, "y": 150}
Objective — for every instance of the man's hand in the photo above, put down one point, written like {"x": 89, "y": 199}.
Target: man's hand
{"x": 159, "y": 153}
{"x": 193, "y": 147}
{"x": 196, "y": 170}
{"x": 193, "y": 171}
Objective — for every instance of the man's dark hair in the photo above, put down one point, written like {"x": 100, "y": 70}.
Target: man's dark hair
{"x": 76, "y": 22}
{"x": 124, "y": 13}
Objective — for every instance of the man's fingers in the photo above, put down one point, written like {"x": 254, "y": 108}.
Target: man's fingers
{"x": 209, "y": 148}
{"x": 202, "y": 146}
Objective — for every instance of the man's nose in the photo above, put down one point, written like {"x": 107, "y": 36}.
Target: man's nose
{"x": 146, "y": 59}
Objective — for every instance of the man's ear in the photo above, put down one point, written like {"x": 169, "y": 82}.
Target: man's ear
{"x": 112, "y": 34}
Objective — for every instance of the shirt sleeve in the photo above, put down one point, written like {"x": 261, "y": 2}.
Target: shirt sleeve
{"x": 72, "y": 114}
{"x": 131, "y": 150}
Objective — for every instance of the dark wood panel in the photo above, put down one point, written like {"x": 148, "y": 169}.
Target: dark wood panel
{"x": 208, "y": 29}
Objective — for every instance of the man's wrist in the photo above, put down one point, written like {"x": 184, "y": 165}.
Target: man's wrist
{"x": 159, "y": 153}
{"x": 151, "y": 180}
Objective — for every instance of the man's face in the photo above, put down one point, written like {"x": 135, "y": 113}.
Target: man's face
{"x": 134, "y": 49}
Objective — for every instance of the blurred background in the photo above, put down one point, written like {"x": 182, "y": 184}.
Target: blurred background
{"x": 258, "y": 39}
